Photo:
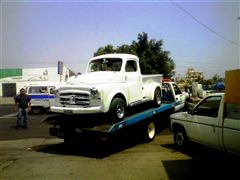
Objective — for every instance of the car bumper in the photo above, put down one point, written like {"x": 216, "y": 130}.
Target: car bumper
{"x": 76, "y": 110}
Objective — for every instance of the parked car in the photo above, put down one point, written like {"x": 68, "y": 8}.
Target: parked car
{"x": 41, "y": 97}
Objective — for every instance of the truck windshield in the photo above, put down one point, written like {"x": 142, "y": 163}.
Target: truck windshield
{"x": 106, "y": 64}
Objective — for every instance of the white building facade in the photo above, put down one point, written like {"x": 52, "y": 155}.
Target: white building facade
{"x": 10, "y": 84}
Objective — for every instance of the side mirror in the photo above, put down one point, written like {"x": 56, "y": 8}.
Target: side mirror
{"x": 190, "y": 111}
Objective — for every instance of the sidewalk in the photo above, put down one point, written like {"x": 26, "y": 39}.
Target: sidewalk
{"x": 6, "y": 100}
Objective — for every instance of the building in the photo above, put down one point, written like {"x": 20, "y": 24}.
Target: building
{"x": 12, "y": 80}
{"x": 193, "y": 75}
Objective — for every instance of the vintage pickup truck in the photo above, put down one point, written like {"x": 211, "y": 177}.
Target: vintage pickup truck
{"x": 111, "y": 83}
{"x": 212, "y": 122}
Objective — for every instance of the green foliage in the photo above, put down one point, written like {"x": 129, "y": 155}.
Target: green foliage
{"x": 153, "y": 59}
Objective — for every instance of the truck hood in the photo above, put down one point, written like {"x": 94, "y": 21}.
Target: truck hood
{"x": 179, "y": 115}
{"x": 97, "y": 78}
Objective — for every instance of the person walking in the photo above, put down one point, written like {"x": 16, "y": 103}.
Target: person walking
{"x": 23, "y": 106}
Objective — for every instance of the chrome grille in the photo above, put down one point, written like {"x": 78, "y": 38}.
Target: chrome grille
{"x": 74, "y": 98}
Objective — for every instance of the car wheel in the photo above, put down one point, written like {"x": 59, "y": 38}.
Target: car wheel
{"x": 157, "y": 97}
{"x": 117, "y": 109}
{"x": 36, "y": 110}
{"x": 180, "y": 137}
{"x": 149, "y": 131}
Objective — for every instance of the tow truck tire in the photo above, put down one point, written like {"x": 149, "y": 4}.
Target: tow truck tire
{"x": 180, "y": 137}
{"x": 36, "y": 110}
{"x": 117, "y": 110}
{"x": 149, "y": 131}
{"x": 157, "y": 97}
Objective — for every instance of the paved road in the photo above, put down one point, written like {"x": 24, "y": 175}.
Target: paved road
{"x": 33, "y": 154}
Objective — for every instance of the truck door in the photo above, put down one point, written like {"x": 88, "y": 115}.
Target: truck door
{"x": 134, "y": 80}
{"x": 179, "y": 97}
{"x": 205, "y": 122}
{"x": 231, "y": 131}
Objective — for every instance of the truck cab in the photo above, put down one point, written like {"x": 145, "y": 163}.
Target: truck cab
{"x": 171, "y": 92}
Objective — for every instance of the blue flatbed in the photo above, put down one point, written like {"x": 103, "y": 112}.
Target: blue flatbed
{"x": 68, "y": 125}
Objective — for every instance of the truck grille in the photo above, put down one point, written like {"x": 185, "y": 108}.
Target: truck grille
{"x": 74, "y": 99}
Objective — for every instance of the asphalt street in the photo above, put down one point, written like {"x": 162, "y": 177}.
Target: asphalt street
{"x": 34, "y": 154}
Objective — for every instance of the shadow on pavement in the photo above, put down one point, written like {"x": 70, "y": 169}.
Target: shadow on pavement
{"x": 89, "y": 148}
{"x": 205, "y": 163}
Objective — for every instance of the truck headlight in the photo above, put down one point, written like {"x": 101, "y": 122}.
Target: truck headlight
{"x": 94, "y": 91}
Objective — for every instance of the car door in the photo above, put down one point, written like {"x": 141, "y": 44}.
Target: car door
{"x": 204, "y": 127}
{"x": 134, "y": 81}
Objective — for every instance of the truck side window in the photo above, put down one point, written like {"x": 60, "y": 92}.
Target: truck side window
{"x": 167, "y": 93}
{"x": 176, "y": 89}
{"x": 38, "y": 89}
{"x": 131, "y": 66}
{"x": 209, "y": 107}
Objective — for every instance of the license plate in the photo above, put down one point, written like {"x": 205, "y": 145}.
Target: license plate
{"x": 67, "y": 111}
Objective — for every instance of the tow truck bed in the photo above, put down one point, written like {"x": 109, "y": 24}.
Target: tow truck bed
{"x": 70, "y": 126}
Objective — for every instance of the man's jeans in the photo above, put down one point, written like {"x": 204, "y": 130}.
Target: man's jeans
{"x": 22, "y": 117}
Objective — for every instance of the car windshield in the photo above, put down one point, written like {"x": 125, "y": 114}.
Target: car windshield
{"x": 106, "y": 64}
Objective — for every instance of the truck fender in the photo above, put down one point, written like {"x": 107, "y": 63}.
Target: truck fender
{"x": 110, "y": 96}
{"x": 150, "y": 89}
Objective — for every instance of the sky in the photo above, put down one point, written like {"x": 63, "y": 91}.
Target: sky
{"x": 204, "y": 35}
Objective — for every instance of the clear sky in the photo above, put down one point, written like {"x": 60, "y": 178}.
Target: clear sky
{"x": 204, "y": 35}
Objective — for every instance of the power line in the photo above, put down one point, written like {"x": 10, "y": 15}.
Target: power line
{"x": 204, "y": 25}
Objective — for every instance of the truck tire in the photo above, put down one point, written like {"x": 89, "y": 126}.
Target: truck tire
{"x": 157, "y": 97}
{"x": 117, "y": 110}
{"x": 36, "y": 110}
{"x": 149, "y": 131}
{"x": 180, "y": 137}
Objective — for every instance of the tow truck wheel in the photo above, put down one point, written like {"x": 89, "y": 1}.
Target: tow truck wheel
{"x": 150, "y": 131}
{"x": 36, "y": 110}
{"x": 157, "y": 97}
{"x": 117, "y": 109}
{"x": 180, "y": 137}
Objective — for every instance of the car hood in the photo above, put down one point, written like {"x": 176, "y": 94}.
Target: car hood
{"x": 97, "y": 78}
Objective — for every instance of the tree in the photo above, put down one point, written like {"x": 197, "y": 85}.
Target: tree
{"x": 153, "y": 59}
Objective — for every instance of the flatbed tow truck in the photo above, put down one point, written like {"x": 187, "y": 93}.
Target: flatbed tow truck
{"x": 142, "y": 120}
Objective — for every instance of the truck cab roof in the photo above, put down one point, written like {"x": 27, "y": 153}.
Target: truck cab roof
{"x": 116, "y": 55}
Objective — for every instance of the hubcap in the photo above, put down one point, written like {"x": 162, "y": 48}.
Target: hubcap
{"x": 120, "y": 111}
{"x": 180, "y": 138}
{"x": 158, "y": 98}
{"x": 151, "y": 130}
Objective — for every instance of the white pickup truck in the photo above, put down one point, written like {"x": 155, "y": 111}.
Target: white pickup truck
{"x": 211, "y": 122}
{"x": 111, "y": 83}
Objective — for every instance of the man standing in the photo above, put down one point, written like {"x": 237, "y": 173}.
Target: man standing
{"x": 23, "y": 104}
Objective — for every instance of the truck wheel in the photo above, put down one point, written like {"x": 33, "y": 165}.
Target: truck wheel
{"x": 180, "y": 137}
{"x": 36, "y": 110}
{"x": 149, "y": 131}
{"x": 117, "y": 109}
{"x": 157, "y": 97}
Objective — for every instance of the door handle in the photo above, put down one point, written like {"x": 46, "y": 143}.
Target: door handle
{"x": 214, "y": 129}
